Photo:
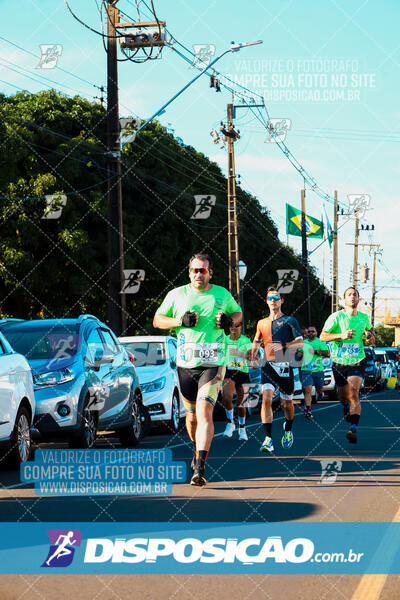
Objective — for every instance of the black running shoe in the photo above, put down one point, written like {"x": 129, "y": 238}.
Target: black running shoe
{"x": 352, "y": 436}
{"x": 198, "y": 478}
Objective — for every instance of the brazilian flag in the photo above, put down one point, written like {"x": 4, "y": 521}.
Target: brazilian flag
{"x": 314, "y": 228}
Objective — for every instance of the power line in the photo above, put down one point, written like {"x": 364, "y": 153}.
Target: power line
{"x": 56, "y": 66}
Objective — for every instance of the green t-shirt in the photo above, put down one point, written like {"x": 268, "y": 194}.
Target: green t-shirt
{"x": 347, "y": 352}
{"x": 310, "y": 361}
{"x": 204, "y": 344}
{"x": 242, "y": 345}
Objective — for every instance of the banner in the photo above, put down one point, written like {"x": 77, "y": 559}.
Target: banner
{"x": 314, "y": 227}
{"x": 199, "y": 548}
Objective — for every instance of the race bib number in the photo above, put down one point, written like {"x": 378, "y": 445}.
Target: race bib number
{"x": 235, "y": 365}
{"x": 281, "y": 369}
{"x": 348, "y": 350}
{"x": 206, "y": 352}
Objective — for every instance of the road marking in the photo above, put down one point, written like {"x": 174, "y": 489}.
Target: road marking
{"x": 371, "y": 586}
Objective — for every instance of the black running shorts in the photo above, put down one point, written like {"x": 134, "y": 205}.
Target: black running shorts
{"x": 341, "y": 373}
{"x": 274, "y": 375}
{"x": 200, "y": 383}
{"x": 239, "y": 377}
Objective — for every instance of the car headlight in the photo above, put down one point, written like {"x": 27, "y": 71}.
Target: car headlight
{"x": 53, "y": 377}
{"x": 154, "y": 386}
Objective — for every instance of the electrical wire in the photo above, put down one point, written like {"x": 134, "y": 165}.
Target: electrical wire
{"x": 56, "y": 66}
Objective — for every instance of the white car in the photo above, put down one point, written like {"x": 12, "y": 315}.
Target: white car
{"x": 17, "y": 405}
{"x": 155, "y": 363}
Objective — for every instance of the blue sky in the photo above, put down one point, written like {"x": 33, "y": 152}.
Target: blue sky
{"x": 343, "y": 57}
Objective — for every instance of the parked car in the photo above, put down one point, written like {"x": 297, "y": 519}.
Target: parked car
{"x": 383, "y": 365}
{"x": 17, "y": 405}
{"x": 329, "y": 380}
{"x": 83, "y": 380}
{"x": 155, "y": 362}
{"x": 392, "y": 353}
{"x": 373, "y": 375}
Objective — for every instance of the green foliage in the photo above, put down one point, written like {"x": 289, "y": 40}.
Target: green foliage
{"x": 384, "y": 336}
{"x": 60, "y": 267}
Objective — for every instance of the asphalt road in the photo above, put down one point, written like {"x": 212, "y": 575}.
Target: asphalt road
{"x": 244, "y": 485}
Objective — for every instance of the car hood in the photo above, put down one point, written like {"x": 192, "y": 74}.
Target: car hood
{"x": 40, "y": 365}
{"x": 147, "y": 374}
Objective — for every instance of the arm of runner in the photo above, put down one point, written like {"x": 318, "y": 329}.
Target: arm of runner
{"x": 236, "y": 319}
{"x": 324, "y": 353}
{"x": 256, "y": 343}
{"x": 295, "y": 344}
{"x": 329, "y": 337}
{"x": 166, "y": 316}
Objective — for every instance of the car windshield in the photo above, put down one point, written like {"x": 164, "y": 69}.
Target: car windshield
{"x": 392, "y": 354}
{"x": 147, "y": 353}
{"x": 380, "y": 357}
{"x": 47, "y": 342}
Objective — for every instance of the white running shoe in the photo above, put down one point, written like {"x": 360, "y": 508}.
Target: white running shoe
{"x": 229, "y": 429}
{"x": 267, "y": 445}
{"x": 242, "y": 434}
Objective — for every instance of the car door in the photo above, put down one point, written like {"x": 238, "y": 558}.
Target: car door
{"x": 7, "y": 404}
{"x": 118, "y": 379}
{"x": 172, "y": 352}
{"x": 98, "y": 378}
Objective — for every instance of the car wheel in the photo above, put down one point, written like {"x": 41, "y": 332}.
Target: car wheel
{"x": 131, "y": 435}
{"x": 21, "y": 443}
{"x": 88, "y": 430}
{"x": 175, "y": 420}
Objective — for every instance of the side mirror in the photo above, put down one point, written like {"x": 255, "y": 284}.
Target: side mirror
{"x": 101, "y": 358}
{"x": 173, "y": 364}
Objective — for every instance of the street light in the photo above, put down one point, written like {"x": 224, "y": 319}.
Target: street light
{"x": 233, "y": 48}
{"x": 242, "y": 275}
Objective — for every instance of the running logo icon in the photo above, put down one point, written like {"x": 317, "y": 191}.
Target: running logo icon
{"x": 63, "y": 543}
{"x": 330, "y": 470}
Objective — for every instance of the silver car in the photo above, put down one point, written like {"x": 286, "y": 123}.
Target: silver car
{"x": 155, "y": 362}
{"x": 17, "y": 405}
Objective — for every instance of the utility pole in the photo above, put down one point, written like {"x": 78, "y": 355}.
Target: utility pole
{"x": 355, "y": 261}
{"x": 335, "y": 255}
{"x": 116, "y": 300}
{"x": 376, "y": 251}
{"x": 304, "y": 260}
{"x": 233, "y": 243}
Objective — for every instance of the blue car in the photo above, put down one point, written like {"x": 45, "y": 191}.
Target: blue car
{"x": 83, "y": 380}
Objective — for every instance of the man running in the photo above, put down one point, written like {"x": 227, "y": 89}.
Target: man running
{"x": 281, "y": 335}
{"x": 312, "y": 370}
{"x": 345, "y": 329}
{"x": 202, "y": 314}
{"x": 236, "y": 376}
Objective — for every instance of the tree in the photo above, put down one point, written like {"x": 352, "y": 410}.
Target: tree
{"x": 384, "y": 335}
{"x": 59, "y": 268}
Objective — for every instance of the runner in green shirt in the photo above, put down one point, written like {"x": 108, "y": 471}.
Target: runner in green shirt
{"x": 312, "y": 370}
{"x": 236, "y": 378}
{"x": 202, "y": 314}
{"x": 345, "y": 330}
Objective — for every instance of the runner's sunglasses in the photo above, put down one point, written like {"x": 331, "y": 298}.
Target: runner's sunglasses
{"x": 273, "y": 297}
{"x": 202, "y": 270}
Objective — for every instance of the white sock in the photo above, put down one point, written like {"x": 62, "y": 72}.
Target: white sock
{"x": 229, "y": 415}
{"x": 242, "y": 421}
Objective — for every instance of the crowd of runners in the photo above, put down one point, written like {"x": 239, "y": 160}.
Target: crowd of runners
{"x": 213, "y": 357}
